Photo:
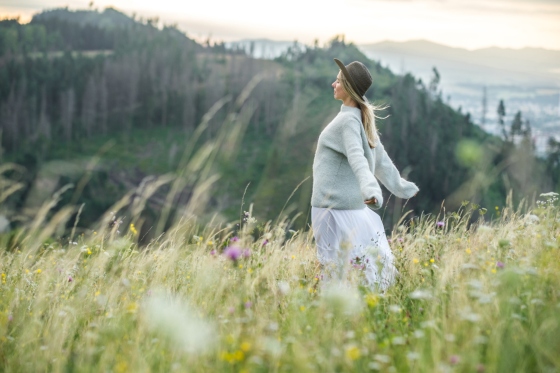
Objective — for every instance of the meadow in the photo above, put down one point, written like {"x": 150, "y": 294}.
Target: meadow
{"x": 248, "y": 297}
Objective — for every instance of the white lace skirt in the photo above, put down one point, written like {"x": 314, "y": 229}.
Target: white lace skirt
{"x": 353, "y": 240}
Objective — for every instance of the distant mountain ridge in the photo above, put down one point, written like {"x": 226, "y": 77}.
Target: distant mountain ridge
{"x": 536, "y": 60}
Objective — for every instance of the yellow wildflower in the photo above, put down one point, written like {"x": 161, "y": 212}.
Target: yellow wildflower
{"x": 238, "y": 355}
{"x": 432, "y": 260}
{"x": 468, "y": 251}
{"x": 133, "y": 229}
{"x": 245, "y": 346}
{"x": 415, "y": 261}
{"x": 371, "y": 300}
{"x": 39, "y": 270}
{"x": 353, "y": 353}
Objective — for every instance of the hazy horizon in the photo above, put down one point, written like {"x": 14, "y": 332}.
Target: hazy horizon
{"x": 503, "y": 23}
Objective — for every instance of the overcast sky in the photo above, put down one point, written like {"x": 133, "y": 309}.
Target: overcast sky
{"x": 468, "y": 24}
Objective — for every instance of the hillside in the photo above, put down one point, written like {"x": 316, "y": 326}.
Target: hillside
{"x": 105, "y": 122}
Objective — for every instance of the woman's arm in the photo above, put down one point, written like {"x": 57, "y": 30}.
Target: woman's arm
{"x": 354, "y": 151}
{"x": 388, "y": 174}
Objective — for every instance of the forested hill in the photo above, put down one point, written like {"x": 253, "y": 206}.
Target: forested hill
{"x": 78, "y": 84}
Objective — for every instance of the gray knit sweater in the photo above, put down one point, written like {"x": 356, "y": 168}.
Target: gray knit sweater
{"x": 344, "y": 166}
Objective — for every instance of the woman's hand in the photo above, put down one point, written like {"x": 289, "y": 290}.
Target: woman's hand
{"x": 372, "y": 201}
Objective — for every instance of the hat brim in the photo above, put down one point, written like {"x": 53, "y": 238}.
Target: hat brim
{"x": 347, "y": 75}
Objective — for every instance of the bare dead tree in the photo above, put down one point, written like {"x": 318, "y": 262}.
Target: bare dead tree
{"x": 89, "y": 105}
{"x": 67, "y": 111}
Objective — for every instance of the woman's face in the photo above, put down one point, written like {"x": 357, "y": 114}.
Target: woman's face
{"x": 339, "y": 92}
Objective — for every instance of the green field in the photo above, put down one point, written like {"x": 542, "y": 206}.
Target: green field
{"x": 480, "y": 297}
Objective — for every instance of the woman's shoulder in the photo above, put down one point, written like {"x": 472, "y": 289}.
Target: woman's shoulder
{"x": 348, "y": 118}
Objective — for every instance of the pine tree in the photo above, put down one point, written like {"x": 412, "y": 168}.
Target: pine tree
{"x": 501, "y": 114}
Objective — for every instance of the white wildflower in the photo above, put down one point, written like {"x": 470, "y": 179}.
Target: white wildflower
{"x": 179, "y": 322}
{"x": 342, "y": 297}
{"x": 420, "y": 294}
{"x": 283, "y": 287}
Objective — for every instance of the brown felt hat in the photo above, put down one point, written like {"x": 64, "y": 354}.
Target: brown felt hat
{"x": 357, "y": 75}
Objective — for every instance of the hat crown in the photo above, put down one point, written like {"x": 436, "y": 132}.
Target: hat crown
{"x": 361, "y": 77}
{"x": 358, "y": 76}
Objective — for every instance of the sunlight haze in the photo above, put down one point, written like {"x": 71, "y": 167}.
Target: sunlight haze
{"x": 459, "y": 23}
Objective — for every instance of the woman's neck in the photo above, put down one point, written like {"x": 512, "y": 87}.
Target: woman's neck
{"x": 349, "y": 102}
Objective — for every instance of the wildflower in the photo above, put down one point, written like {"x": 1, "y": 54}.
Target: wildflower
{"x": 353, "y": 353}
{"x": 234, "y": 239}
{"x": 10, "y": 317}
{"x": 302, "y": 308}
{"x": 468, "y": 251}
{"x": 415, "y": 261}
{"x": 213, "y": 252}
{"x": 88, "y": 251}
{"x": 245, "y": 346}
{"x": 371, "y": 300}
{"x": 284, "y": 287}
{"x": 246, "y": 253}
{"x": 454, "y": 359}
{"x": 420, "y": 294}
{"x": 178, "y": 321}
{"x": 342, "y": 298}
{"x": 70, "y": 279}
{"x": 39, "y": 270}
{"x": 440, "y": 224}
{"x": 500, "y": 264}
{"x": 248, "y": 304}
{"x": 265, "y": 242}
{"x": 233, "y": 253}
{"x": 432, "y": 260}
{"x": 133, "y": 229}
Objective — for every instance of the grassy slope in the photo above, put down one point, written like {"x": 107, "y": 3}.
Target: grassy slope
{"x": 102, "y": 305}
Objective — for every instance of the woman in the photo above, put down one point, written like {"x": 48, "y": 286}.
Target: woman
{"x": 348, "y": 161}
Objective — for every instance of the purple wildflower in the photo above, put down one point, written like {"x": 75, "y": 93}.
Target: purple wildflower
{"x": 400, "y": 239}
{"x": 233, "y": 253}
{"x": 231, "y": 310}
{"x": 10, "y": 317}
{"x": 265, "y": 242}
{"x": 500, "y": 264}
{"x": 480, "y": 368}
{"x": 234, "y": 239}
{"x": 213, "y": 252}
{"x": 441, "y": 224}
{"x": 248, "y": 304}
{"x": 246, "y": 253}
{"x": 70, "y": 279}
{"x": 454, "y": 359}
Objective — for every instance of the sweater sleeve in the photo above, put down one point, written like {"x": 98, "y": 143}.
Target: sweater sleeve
{"x": 389, "y": 176}
{"x": 354, "y": 152}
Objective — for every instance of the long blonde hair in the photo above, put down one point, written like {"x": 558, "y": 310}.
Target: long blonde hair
{"x": 368, "y": 111}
